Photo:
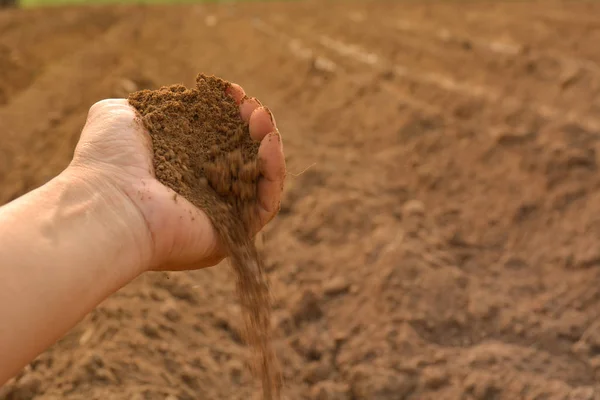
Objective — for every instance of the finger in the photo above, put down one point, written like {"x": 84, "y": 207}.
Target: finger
{"x": 269, "y": 201}
{"x": 206, "y": 263}
{"x": 261, "y": 123}
{"x": 249, "y": 104}
{"x": 270, "y": 155}
{"x": 236, "y": 91}
{"x": 272, "y": 169}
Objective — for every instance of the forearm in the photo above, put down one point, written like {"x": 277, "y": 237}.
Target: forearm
{"x": 63, "y": 249}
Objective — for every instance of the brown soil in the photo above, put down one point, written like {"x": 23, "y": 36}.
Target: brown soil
{"x": 443, "y": 245}
{"x": 203, "y": 151}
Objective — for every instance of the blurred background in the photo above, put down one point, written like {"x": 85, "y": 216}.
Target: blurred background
{"x": 442, "y": 244}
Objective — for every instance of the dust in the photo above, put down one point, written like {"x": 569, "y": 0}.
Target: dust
{"x": 204, "y": 152}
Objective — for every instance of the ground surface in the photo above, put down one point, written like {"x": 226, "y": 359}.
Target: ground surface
{"x": 443, "y": 246}
{"x": 52, "y": 3}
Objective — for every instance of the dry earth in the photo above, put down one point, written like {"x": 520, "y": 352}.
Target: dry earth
{"x": 444, "y": 243}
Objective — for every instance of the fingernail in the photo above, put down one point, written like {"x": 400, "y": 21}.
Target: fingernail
{"x": 274, "y": 135}
{"x": 229, "y": 91}
{"x": 246, "y": 98}
{"x": 271, "y": 116}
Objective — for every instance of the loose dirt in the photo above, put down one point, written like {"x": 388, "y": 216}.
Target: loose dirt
{"x": 443, "y": 246}
{"x": 204, "y": 152}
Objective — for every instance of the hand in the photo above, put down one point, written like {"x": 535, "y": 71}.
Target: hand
{"x": 116, "y": 151}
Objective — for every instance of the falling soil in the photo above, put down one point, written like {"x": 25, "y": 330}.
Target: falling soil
{"x": 204, "y": 152}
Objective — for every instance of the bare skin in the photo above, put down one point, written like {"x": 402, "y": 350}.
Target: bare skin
{"x": 102, "y": 222}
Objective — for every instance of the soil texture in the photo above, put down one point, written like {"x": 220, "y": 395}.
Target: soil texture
{"x": 439, "y": 230}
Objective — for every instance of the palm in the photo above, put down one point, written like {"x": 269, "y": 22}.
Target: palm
{"x": 182, "y": 235}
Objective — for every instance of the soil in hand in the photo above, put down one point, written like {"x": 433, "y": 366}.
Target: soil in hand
{"x": 204, "y": 152}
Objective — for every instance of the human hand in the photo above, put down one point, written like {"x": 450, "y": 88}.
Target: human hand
{"x": 115, "y": 155}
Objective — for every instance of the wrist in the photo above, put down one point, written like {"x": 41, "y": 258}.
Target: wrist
{"x": 91, "y": 203}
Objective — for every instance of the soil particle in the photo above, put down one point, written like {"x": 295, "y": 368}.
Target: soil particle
{"x": 380, "y": 384}
{"x": 328, "y": 390}
{"x": 307, "y": 308}
{"x": 336, "y": 285}
{"x": 316, "y": 372}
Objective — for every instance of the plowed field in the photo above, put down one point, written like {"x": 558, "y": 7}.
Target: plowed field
{"x": 440, "y": 230}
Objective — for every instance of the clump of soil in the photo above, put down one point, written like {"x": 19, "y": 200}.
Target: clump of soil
{"x": 204, "y": 152}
